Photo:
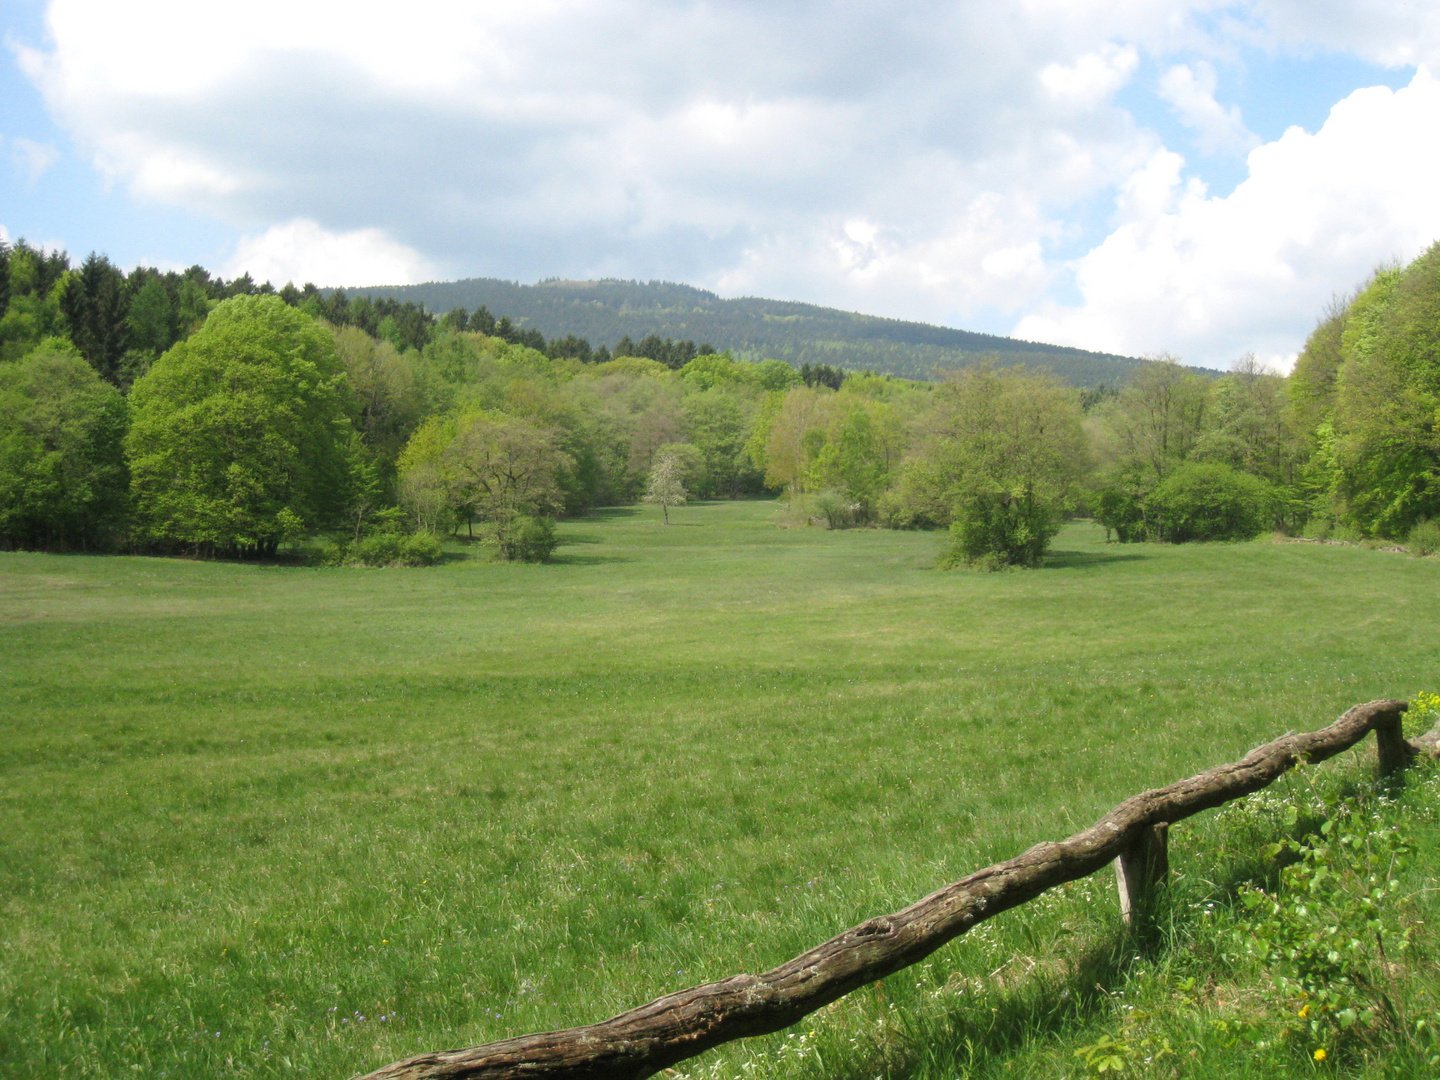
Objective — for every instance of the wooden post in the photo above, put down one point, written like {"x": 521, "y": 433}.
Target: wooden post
{"x": 1141, "y": 871}
{"x": 1391, "y": 749}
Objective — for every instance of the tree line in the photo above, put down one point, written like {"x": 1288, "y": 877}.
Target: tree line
{"x": 180, "y": 413}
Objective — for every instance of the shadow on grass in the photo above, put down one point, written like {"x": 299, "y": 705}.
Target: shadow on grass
{"x": 577, "y": 559}
{"x": 988, "y": 1025}
{"x": 610, "y": 513}
{"x": 1061, "y": 560}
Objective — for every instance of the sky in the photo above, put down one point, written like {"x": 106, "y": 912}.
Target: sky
{"x": 1196, "y": 178}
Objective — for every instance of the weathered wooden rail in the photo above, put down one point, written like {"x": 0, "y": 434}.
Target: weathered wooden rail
{"x": 641, "y": 1042}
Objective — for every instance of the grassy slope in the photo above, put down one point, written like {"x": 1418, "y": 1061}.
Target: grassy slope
{"x": 241, "y": 807}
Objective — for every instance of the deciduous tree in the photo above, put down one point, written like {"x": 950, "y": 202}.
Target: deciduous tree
{"x": 62, "y": 473}
{"x": 239, "y": 434}
{"x": 1009, "y": 446}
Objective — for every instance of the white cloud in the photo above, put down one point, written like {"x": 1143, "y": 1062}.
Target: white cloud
{"x": 1394, "y": 33}
{"x": 574, "y": 137}
{"x": 916, "y": 158}
{"x": 1210, "y": 278}
{"x": 1189, "y": 89}
{"x": 302, "y": 251}
{"x": 1093, "y": 78}
{"x": 33, "y": 159}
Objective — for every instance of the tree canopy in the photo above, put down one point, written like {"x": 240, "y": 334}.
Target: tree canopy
{"x": 240, "y": 435}
{"x": 62, "y": 473}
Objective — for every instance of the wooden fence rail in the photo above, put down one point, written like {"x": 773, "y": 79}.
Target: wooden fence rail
{"x": 641, "y": 1042}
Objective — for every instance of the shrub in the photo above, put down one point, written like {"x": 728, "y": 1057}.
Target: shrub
{"x": 420, "y": 549}
{"x": 377, "y": 549}
{"x": 1122, "y": 511}
{"x": 992, "y": 532}
{"x": 388, "y": 548}
{"x": 1209, "y": 502}
{"x": 526, "y": 539}
{"x": 1424, "y": 538}
{"x": 835, "y": 510}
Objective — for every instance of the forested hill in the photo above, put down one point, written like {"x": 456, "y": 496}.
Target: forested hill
{"x": 604, "y": 312}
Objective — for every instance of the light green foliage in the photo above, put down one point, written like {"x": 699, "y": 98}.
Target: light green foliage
{"x": 1209, "y": 502}
{"x": 793, "y": 438}
{"x": 386, "y": 548}
{"x": 859, "y": 453}
{"x": 389, "y": 399}
{"x": 775, "y": 375}
{"x": 1387, "y": 440}
{"x": 239, "y": 434}
{"x": 666, "y": 484}
{"x": 62, "y": 474}
{"x": 644, "y": 413}
{"x": 1248, "y": 427}
{"x": 718, "y": 369}
{"x": 1311, "y": 385}
{"x": 523, "y": 538}
{"x": 1158, "y": 417}
{"x": 1327, "y": 935}
{"x": 841, "y": 447}
{"x": 32, "y": 315}
{"x": 428, "y": 482}
{"x": 717, "y": 423}
{"x": 507, "y": 465}
{"x": 1009, "y": 451}
{"x": 1424, "y": 537}
{"x": 1142, "y": 435}
{"x": 154, "y": 324}
{"x": 503, "y": 468}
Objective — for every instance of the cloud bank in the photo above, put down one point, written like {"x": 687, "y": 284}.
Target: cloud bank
{"x": 952, "y": 161}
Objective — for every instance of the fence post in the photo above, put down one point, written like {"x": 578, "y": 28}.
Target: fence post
{"x": 1392, "y": 751}
{"x": 1141, "y": 872}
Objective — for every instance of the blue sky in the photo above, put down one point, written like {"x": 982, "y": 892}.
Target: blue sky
{"x": 1192, "y": 177}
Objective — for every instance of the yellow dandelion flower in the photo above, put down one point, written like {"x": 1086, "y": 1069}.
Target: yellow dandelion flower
{"x": 1320, "y": 1054}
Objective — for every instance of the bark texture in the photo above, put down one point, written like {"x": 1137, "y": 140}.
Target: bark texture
{"x": 641, "y": 1042}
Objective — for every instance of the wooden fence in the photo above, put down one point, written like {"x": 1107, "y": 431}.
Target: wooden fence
{"x": 641, "y": 1042}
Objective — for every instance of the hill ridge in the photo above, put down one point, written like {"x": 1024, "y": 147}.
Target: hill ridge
{"x": 605, "y": 310}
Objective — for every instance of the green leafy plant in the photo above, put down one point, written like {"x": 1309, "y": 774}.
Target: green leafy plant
{"x": 1326, "y": 935}
{"x": 1424, "y": 537}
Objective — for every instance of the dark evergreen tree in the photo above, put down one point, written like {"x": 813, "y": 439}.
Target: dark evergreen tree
{"x": 336, "y": 308}
{"x": 49, "y": 268}
{"x": 482, "y": 321}
{"x": 96, "y": 306}
{"x": 571, "y": 346}
{"x": 244, "y": 285}
{"x": 822, "y": 375}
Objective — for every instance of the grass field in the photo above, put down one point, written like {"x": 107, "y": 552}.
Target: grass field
{"x": 271, "y": 821}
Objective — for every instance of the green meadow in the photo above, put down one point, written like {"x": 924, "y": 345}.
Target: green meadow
{"x": 273, "y": 821}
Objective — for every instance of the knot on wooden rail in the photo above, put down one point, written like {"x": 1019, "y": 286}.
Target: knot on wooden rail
{"x": 641, "y": 1042}
{"x": 877, "y": 927}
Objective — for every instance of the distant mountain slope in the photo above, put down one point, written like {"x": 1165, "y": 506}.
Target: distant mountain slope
{"x": 605, "y": 311}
